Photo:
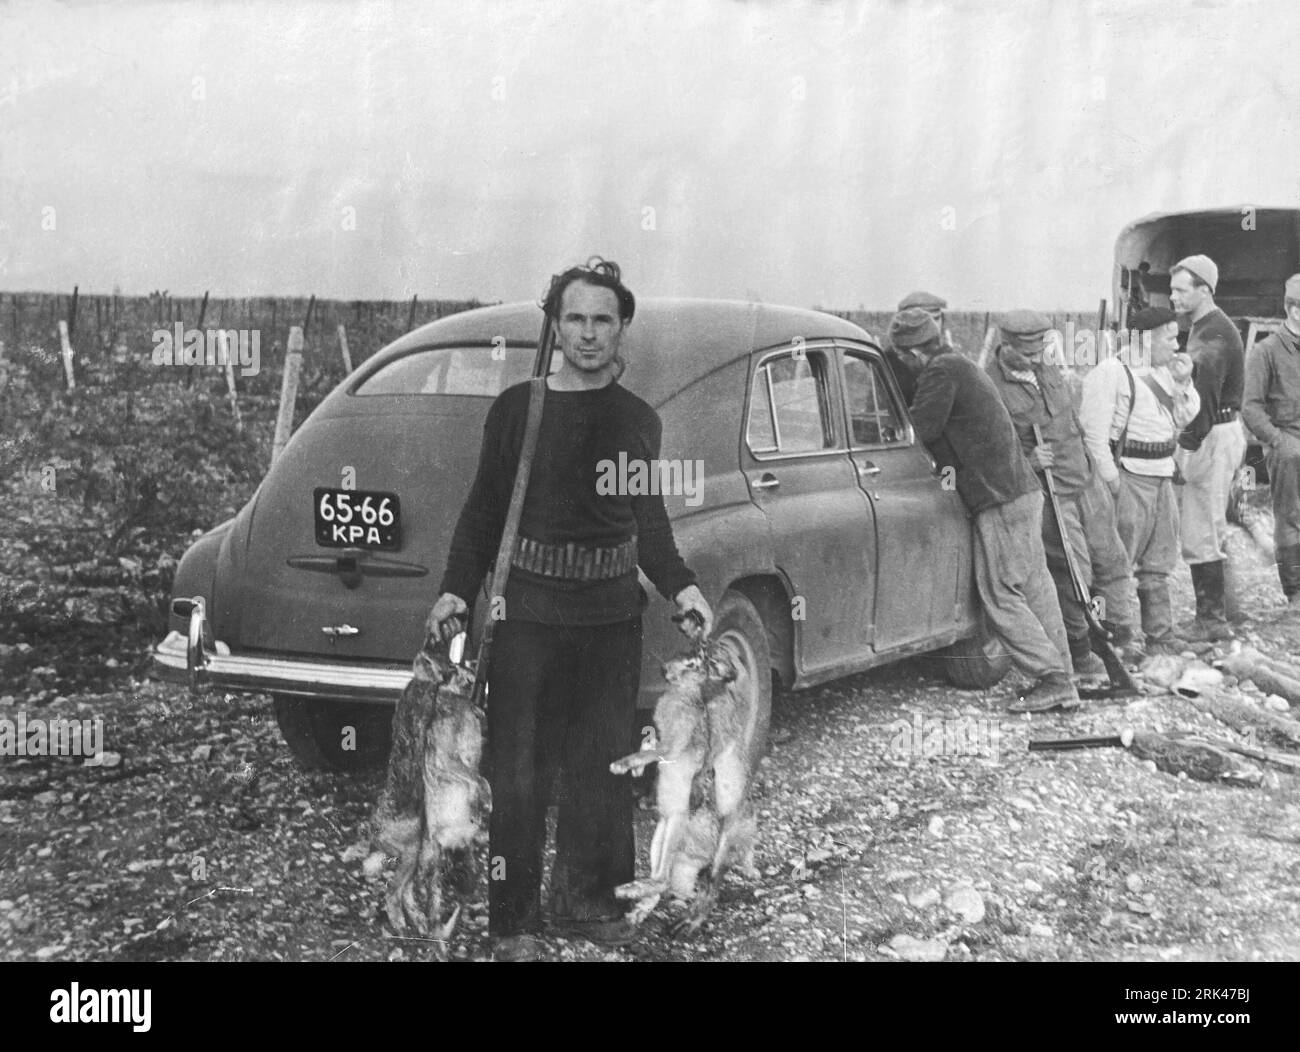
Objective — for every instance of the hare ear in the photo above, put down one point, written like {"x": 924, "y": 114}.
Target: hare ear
{"x": 722, "y": 668}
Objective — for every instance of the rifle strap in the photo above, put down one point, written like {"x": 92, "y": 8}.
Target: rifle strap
{"x": 510, "y": 532}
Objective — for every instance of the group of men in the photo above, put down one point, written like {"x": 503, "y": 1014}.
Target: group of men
{"x": 1142, "y": 460}
{"x": 564, "y": 672}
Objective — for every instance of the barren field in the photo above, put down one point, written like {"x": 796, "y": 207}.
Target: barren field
{"x": 198, "y": 839}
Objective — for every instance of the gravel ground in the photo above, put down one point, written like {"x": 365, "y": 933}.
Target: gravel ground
{"x": 200, "y": 840}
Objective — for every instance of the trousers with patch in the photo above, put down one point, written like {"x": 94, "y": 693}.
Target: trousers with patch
{"x": 561, "y": 707}
{"x": 1203, "y": 498}
{"x": 1015, "y": 587}
{"x": 1148, "y": 525}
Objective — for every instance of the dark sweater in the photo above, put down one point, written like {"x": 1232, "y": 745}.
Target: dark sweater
{"x": 958, "y": 408}
{"x": 579, "y": 430}
{"x": 1219, "y": 374}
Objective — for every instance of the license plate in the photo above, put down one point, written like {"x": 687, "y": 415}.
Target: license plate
{"x": 357, "y": 518}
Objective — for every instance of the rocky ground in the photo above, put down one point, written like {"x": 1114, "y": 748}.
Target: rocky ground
{"x": 198, "y": 838}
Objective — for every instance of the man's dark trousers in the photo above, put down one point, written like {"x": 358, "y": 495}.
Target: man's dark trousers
{"x": 561, "y": 700}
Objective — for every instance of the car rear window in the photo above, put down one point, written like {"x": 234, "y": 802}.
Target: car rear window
{"x": 485, "y": 371}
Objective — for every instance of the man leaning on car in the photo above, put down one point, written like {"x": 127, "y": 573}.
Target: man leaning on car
{"x": 566, "y": 661}
{"x": 957, "y": 409}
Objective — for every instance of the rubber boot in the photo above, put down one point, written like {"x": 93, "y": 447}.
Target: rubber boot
{"x": 1126, "y": 643}
{"x": 1288, "y": 572}
{"x": 1232, "y": 594}
{"x": 1085, "y": 662}
{"x": 1211, "y": 624}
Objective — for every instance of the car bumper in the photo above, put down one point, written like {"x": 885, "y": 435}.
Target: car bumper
{"x": 204, "y": 662}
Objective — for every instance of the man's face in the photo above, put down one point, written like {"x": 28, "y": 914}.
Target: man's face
{"x": 1185, "y": 296}
{"x": 590, "y": 329}
{"x": 1293, "y": 316}
{"x": 1164, "y": 343}
{"x": 1022, "y": 353}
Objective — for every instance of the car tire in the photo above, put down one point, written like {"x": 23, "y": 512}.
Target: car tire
{"x": 976, "y": 663}
{"x": 738, "y": 626}
{"x": 314, "y": 729}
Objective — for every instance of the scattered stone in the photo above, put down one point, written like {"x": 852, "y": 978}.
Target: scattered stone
{"x": 1133, "y": 882}
{"x": 49, "y": 797}
{"x": 1277, "y": 703}
{"x": 936, "y": 826}
{"x": 967, "y": 903}
{"x": 1032, "y": 886}
{"x": 111, "y": 759}
{"x": 1021, "y": 804}
{"x": 793, "y": 918}
{"x": 913, "y": 949}
{"x": 201, "y": 753}
{"x": 924, "y": 898}
{"x": 1040, "y": 931}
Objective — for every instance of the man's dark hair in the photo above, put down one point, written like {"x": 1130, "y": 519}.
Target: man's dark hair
{"x": 1197, "y": 281}
{"x": 602, "y": 273}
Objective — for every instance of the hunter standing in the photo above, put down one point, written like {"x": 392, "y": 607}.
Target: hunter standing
{"x": 1131, "y": 418}
{"x": 564, "y": 671}
{"x": 1271, "y": 408}
{"x": 1212, "y": 446}
{"x": 1036, "y": 393}
{"x": 959, "y": 416}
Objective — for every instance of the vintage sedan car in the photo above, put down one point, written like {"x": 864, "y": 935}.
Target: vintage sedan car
{"x": 817, "y": 525}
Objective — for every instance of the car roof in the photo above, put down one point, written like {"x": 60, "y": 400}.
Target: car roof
{"x": 670, "y": 343}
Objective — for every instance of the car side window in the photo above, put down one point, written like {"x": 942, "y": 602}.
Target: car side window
{"x": 451, "y": 371}
{"x": 789, "y": 405}
{"x": 874, "y": 420}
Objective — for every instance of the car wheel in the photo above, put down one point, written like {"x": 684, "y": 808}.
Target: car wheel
{"x": 316, "y": 732}
{"x": 976, "y": 663}
{"x": 739, "y": 628}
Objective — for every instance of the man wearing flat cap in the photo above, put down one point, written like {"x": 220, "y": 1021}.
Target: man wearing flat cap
{"x": 902, "y": 364}
{"x": 1132, "y": 412}
{"x": 1212, "y": 446}
{"x": 1271, "y": 409}
{"x": 1036, "y": 393}
{"x": 957, "y": 413}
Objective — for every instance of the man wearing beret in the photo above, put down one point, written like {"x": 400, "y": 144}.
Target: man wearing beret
{"x": 1271, "y": 409}
{"x": 1131, "y": 414}
{"x": 902, "y": 363}
{"x": 1035, "y": 393}
{"x": 1212, "y": 446}
{"x": 957, "y": 413}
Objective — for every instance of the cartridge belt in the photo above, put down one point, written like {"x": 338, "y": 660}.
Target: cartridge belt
{"x": 1225, "y": 416}
{"x": 569, "y": 562}
{"x": 1149, "y": 450}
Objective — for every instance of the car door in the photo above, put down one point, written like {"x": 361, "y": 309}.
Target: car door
{"x": 922, "y": 531}
{"x": 799, "y": 474}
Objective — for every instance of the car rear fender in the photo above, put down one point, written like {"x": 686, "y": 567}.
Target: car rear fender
{"x": 197, "y": 573}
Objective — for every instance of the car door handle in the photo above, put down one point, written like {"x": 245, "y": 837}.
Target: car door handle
{"x": 767, "y": 481}
{"x": 868, "y": 468}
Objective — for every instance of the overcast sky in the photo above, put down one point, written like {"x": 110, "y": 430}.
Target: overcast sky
{"x": 796, "y": 152}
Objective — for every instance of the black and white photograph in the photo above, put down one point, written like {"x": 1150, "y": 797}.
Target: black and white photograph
{"x": 545, "y": 481}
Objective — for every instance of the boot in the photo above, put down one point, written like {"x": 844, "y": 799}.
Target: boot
{"x": 1126, "y": 643}
{"x": 1211, "y": 624}
{"x": 1052, "y": 691}
{"x": 1232, "y": 594}
{"x": 1085, "y": 662}
{"x": 1288, "y": 572}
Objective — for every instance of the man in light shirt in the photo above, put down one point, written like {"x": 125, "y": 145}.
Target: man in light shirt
{"x": 1131, "y": 417}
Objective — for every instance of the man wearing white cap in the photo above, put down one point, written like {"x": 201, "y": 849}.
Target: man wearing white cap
{"x": 1271, "y": 409}
{"x": 1212, "y": 446}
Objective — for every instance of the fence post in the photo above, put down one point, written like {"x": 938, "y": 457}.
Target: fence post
{"x": 223, "y": 342}
{"x": 288, "y": 392}
{"x": 72, "y": 312}
{"x": 67, "y": 354}
{"x": 410, "y": 317}
{"x": 343, "y": 346}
